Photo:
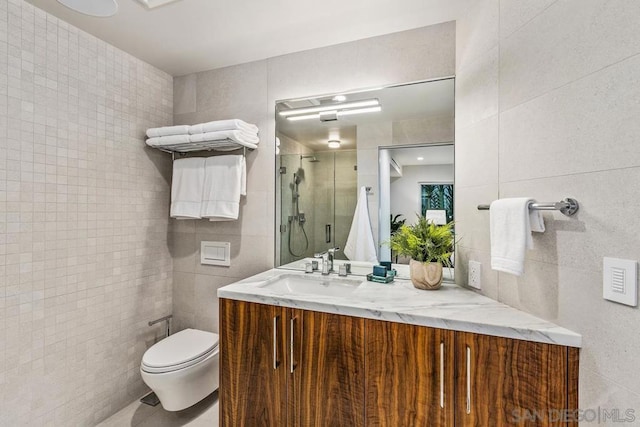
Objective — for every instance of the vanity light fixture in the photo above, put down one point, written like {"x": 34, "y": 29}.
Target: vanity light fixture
{"x": 333, "y": 143}
{"x": 329, "y": 107}
{"x": 359, "y": 111}
{"x": 419, "y": 158}
{"x": 339, "y": 98}
{"x": 327, "y": 115}
{"x": 304, "y": 117}
{"x": 99, "y": 8}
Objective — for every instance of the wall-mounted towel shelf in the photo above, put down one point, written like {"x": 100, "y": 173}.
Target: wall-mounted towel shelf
{"x": 219, "y": 145}
{"x": 218, "y": 135}
{"x": 567, "y": 206}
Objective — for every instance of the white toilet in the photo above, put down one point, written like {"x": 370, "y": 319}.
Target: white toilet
{"x": 183, "y": 368}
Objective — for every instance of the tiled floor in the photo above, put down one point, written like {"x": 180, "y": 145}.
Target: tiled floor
{"x": 204, "y": 413}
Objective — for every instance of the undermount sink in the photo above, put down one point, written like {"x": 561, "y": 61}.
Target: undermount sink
{"x": 312, "y": 285}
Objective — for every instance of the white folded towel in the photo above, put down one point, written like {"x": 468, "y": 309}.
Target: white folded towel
{"x": 167, "y": 130}
{"x": 218, "y": 125}
{"x": 159, "y": 141}
{"x": 511, "y": 224}
{"x": 360, "y": 244}
{"x": 222, "y": 187}
{"x": 234, "y": 135}
{"x": 187, "y": 187}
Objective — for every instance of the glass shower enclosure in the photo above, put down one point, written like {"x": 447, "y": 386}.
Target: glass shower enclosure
{"x": 318, "y": 194}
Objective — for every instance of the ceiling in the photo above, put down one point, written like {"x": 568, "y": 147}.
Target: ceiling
{"x": 403, "y": 102}
{"x": 196, "y": 35}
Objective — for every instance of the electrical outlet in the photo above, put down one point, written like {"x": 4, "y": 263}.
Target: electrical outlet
{"x": 475, "y": 274}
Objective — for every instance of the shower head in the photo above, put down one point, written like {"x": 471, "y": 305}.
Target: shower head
{"x": 312, "y": 159}
{"x": 296, "y": 178}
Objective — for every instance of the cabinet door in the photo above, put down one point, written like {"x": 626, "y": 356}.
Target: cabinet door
{"x": 409, "y": 375}
{"x": 502, "y": 382}
{"x": 252, "y": 364}
{"x": 328, "y": 377}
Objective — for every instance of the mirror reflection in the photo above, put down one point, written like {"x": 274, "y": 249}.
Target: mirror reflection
{"x": 420, "y": 183}
{"x": 318, "y": 197}
{"x": 330, "y": 147}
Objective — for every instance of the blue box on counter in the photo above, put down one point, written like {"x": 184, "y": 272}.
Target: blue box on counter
{"x": 380, "y": 271}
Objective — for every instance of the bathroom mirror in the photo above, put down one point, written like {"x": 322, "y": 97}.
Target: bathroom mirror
{"x": 330, "y": 146}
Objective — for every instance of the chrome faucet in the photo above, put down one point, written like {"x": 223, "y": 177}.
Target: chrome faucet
{"x": 327, "y": 260}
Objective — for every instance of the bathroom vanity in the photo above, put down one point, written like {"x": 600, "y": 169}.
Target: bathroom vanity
{"x": 303, "y": 350}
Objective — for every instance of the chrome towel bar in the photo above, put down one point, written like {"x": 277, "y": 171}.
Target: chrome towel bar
{"x": 567, "y": 206}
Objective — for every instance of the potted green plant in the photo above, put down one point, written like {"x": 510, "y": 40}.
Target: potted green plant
{"x": 429, "y": 246}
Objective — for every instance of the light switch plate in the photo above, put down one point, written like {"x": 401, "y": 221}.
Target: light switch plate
{"x": 620, "y": 281}
{"x": 215, "y": 253}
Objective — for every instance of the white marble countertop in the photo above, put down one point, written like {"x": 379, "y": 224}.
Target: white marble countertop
{"x": 451, "y": 307}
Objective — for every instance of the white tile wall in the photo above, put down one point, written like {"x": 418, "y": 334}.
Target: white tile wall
{"x": 84, "y": 261}
{"x": 566, "y": 76}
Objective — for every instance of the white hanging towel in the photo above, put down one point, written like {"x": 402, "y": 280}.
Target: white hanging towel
{"x": 360, "y": 244}
{"x": 223, "y": 185}
{"x": 187, "y": 186}
{"x": 243, "y": 177}
{"x": 511, "y": 224}
{"x": 218, "y": 125}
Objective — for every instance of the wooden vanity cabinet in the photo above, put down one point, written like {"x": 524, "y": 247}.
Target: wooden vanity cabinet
{"x": 252, "y": 364}
{"x": 409, "y": 375}
{"x": 289, "y": 367}
{"x": 507, "y": 382}
{"x": 328, "y": 376}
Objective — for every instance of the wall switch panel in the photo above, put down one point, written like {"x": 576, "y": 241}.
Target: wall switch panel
{"x": 475, "y": 274}
{"x": 620, "y": 281}
{"x": 215, "y": 253}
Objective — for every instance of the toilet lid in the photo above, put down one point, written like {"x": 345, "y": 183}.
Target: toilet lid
{"x": 180, "y": 348}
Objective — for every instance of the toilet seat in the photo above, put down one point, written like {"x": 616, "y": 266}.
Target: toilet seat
{"x": 179, "y": 351}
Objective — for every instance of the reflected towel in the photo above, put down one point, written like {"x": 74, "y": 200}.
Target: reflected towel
{"x": 511, "y": 224}
{"x": 186, "y": 188}
{"x": 218, "y": 125}
{"x": 360, "y": 244}
{"x": 223, "y": 187}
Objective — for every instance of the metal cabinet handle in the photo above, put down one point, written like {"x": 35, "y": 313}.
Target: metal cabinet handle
{"x": 468, "y": 380}
{"x": 275, "y": 342}
{"x": 291, "y": 345}
{"x": 442, "y": 375}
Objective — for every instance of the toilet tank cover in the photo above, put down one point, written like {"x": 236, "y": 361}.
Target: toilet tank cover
{"x": 180, "y": 348}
